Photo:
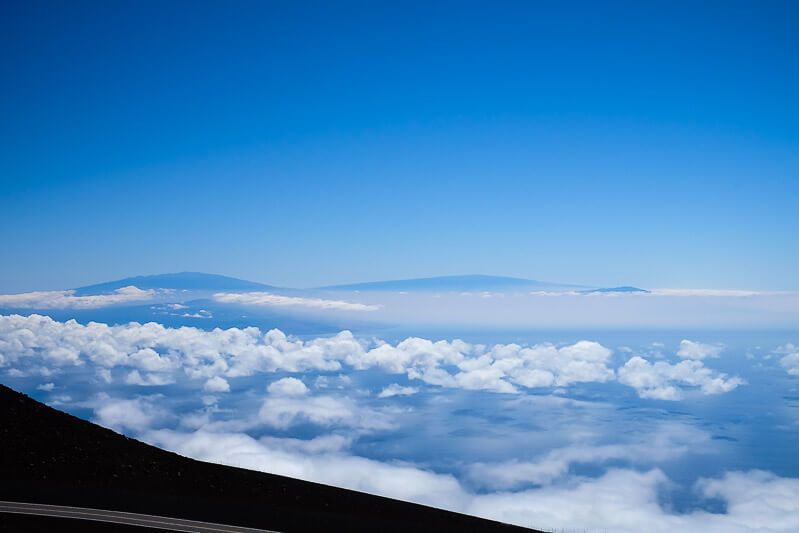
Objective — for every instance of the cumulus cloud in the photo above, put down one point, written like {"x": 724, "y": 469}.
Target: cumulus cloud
{"x": 697, "y": 350}
{"x": 268, "y": 299}
{"x": 545, "y": 365}
{"x": 290, "y": 403}
{"x": 499, "y": 368}
{"x": 47, "y": 387}
{"x": 397, "y": 390}
{"x": 216, "y": 384}
{"x": 287, "y": 387}
{"x": 157, "y": 355}
{"x": 68, "y": 300}
{"x": 790, "y": 360}
{"x": 153, "y": 348}
{"x": 662, "y": 381}
{"x": 282, "y": 412}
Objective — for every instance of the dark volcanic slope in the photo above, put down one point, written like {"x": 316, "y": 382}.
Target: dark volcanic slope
{"x": 47, "y": 456}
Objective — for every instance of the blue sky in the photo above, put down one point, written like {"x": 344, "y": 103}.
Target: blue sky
{"x": 309, "y": 144}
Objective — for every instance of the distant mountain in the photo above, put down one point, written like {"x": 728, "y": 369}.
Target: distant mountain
{"x": 199, "y": 281}
{"x": 625, "y": 289}
{"x": 473, "y": 282}
{"x": 192, "y": 281}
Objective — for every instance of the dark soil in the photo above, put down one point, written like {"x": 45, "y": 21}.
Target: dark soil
{"x": 47, "y": 456}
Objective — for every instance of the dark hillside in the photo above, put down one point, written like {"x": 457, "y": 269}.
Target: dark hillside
{"x": 47, "y": 456}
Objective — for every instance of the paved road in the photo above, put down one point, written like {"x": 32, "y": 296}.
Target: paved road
{"x": 118, "y": 517}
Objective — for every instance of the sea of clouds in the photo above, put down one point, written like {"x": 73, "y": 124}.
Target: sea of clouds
{"x": 153, "y": 354}
{"x": 574, "y": 435}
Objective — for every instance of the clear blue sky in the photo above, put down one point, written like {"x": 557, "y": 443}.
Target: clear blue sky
{"x": 645, "y": 143}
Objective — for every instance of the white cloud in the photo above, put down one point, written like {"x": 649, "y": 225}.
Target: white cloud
{"x": 667, "y": 441}
{"x": 697, "y": 350}
{"x": 734, "y": 293}
{"x": 628, "y": 501}
{"x": 151, "y": 361}
{"x": 329, "y": 443}
{"x": 265, "y": 298}
{"x": 287, "y": 387}
{"x": 216, "y": 384}
{"x": 104, "y": 375}
{"x": 545, "y": 365}
{"x": 621, "y": 500}
{"x": 477, "y": 374}
{"x": 202, "y": 313}
{"x": 42, "y": 371}
{"x": 157, "y": 355}
{"x": 341, "y": 381}
{"x": 136, "y": 414}
{"x": 68, "y": 300}
{"x": 289, "y": 403}
{"x": 395, "y": 480}
{"x": 284, "y": 411}
{"x": 397, "y": 390}
{"x": 148, "y": 379}
{"x": 662, "y": 381}
{"x": 61, "y": 399}
{"x": 35, "y": 339}
{"x": 47, "y": 387}
{"x": 496, "y": 369}
{"x": 756, "y": 501}
{"x": 789, "y": 361}
{"x": 718, "y": 293}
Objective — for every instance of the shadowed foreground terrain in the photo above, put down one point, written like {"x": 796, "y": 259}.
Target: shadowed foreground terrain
{"x": 47, "y": 456}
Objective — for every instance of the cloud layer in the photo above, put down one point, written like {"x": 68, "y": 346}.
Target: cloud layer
{"x": 373, "y": 416}
{"x": 620, "y": 500}
{"x": 268, "y": 299}
{"x": 151, "y": 354}
{"x": 68, "y": 300}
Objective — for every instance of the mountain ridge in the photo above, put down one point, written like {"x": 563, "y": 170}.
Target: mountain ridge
{"x": 455, "y": 282}
{"x": 200, "y": 281}
{"x": 178, "y": 281}
{"x": 625, "y": 289}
